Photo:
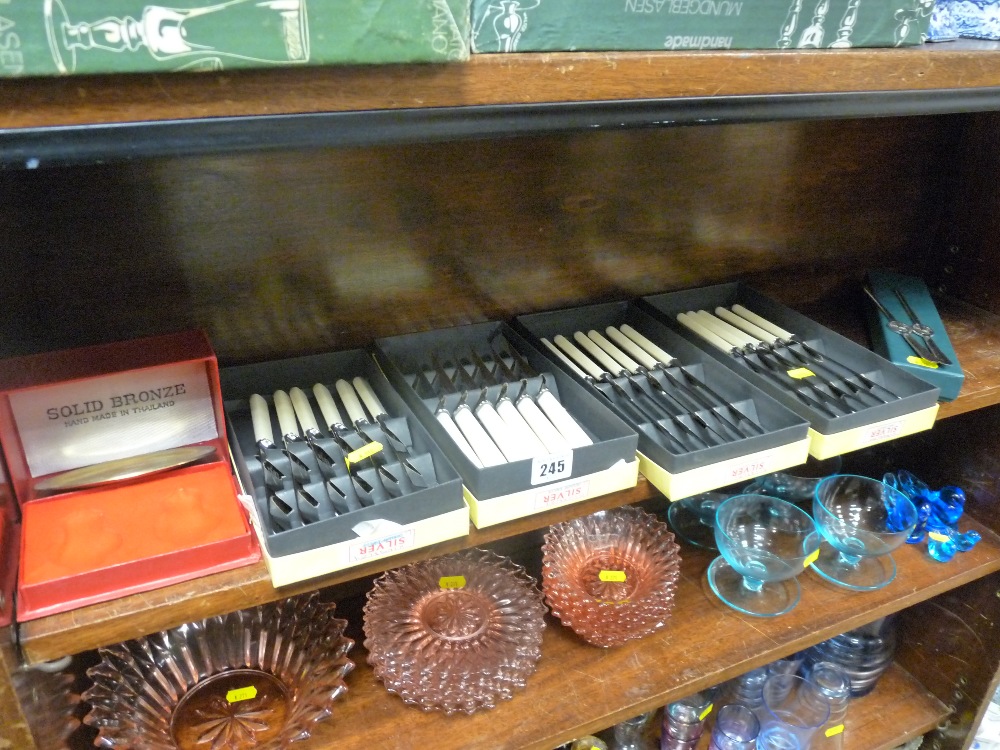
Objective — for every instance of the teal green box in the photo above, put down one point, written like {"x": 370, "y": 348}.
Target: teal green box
{"x": 892, "y": 346}
{"x": 53, "y": 37}
{"x": 571, "y": 25}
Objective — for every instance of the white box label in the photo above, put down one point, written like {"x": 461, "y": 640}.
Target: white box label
{"x": 387, "y": 544}
{"x": 750, "y": 468}
{"x": 553, "y": 497}
{"x": 124, "y": 414}
{"x": 551, "y": 467}
{"x": 878, "y": 432}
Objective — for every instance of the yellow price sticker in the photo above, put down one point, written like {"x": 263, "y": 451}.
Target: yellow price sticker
{"x": 921, "y": 362}
{"x": 366, "y": 451}
{"x": 813, "y": 557}
{"x": 706, "y": 712}
{"x": 801, "y": 372}
{"x": 937, "y": 536}
{"x": 612, "y": 576}
{"x": 452, "y": 582}
{"x": 241, "y": 694}
{"x": 834, "y": 731}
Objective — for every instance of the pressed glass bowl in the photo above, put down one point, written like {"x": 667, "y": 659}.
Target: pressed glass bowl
{"x": 611, "y": 576}
{"x": 257, "y": 678}
{"x": 455, "y": 633}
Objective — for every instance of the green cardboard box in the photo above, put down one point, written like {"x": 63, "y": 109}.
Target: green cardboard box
{"x": 53, "y": 37}
{"x": 571, "y": 25}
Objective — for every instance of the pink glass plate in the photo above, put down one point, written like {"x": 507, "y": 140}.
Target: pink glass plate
{"x": 257, "y": 678}
{"x": 456, "y": 633}
{"x": 611, "y": 576}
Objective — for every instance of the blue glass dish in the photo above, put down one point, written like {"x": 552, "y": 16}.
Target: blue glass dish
{"x": 764, "y": 546}
{"x": 861, "y": 520}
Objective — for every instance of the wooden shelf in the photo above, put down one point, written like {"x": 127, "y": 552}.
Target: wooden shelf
{"x": 133, "y": 616}
{"x": 579, "y": 689}
{"x": 975, "y": 333}
{"x": 493, "y": 80}
{"x": 84, "y": 119}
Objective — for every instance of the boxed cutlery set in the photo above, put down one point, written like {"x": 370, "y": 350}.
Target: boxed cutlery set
{"x": 352, "y": 475}
{"x": 851, "y": 397}
{"x": 700, "y": 425}
{"x": 121, "y": 457}
{"x": 524, "y": 436}
{"x": 907, "y": 330}
{"x": 118, "y": 459}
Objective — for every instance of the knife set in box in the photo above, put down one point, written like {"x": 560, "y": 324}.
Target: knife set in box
{"x": 700, "y": 426}
{"x": 338, "y": 470}
{"x": 524, "y": 436}
{"x": 851, "y": 397}
{"x": 117, "y": 456}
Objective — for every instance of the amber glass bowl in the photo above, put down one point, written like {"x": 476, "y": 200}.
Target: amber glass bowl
{"x": 611, "y": 576}
{"x": 257, "y": 678}
{"x": 456, "y": 633}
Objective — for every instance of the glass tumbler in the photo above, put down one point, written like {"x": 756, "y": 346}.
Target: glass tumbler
{"x": 684, "y": 720}
{"x": 746, "y": 689}
{"x": 633, "y": 734}
{"x": 793, "y": 710}
{"x": 736, "y": 728}
{"x": 835, "y": 685}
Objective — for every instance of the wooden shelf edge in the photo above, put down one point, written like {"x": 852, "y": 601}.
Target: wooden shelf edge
{"x": 523, "y": 78}
{"x": 118, "y": 620}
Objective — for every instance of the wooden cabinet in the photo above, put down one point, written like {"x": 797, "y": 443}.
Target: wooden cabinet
{"x": 294, "y": 211}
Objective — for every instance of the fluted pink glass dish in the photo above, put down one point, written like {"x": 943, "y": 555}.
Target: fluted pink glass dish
{"x": 611, "y": 576}
{"x": 456, "y": 633}
{"x": 257, "y": 678}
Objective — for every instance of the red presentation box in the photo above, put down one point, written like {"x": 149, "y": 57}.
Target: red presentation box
{"x": 118, "y": 460}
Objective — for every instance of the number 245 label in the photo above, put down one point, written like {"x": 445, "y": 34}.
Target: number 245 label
{"x": 552, "y": 467}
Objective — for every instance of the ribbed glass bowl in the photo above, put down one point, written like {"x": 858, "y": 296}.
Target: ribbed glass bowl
{"x": 455, "y": 633}
{"x": 611, "y": 576}
{"x": 257, "y": 678}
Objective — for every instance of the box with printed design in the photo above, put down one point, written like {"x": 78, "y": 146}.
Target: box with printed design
{"x": 78, "y": 37}
{"x": 580, "y": 25}
{"x": 335, "y": 469}
{"x": 118, "y": 459}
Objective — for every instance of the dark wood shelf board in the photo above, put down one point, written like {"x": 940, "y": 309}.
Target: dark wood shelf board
{"x": 579, "y": 689}
{"x": 975, "y": 334}
{"x": 84, "y": 119}
{"x": 527, "y": 78}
